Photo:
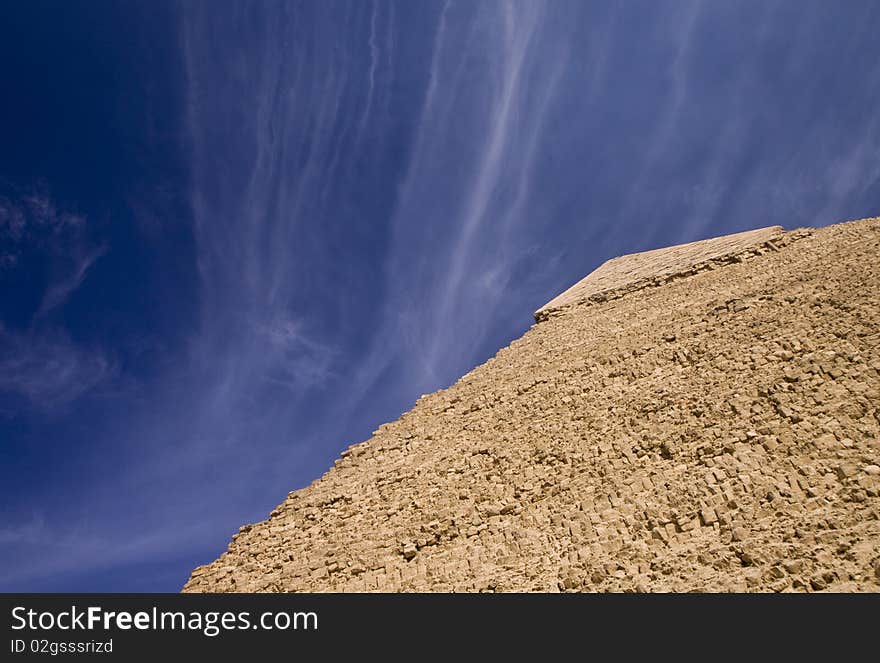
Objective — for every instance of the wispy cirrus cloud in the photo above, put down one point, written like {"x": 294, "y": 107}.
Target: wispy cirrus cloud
{"x": 41, "y": 366}
{"x": 79, "y": 260}
{"x": 32, "y": 225}
{"x": 45, "y": 552}
{"x": 46, "y": 370}
{"x": 33, "y": 218}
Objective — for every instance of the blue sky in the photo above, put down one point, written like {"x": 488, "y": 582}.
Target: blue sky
{"x": 235, "y": 237}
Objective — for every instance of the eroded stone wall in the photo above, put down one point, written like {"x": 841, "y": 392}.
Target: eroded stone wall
{"x": 715, "y": 431}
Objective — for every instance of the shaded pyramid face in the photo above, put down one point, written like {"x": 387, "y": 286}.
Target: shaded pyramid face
{"x": 704, "y": 417}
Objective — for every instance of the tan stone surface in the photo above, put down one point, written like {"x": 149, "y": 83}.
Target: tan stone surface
{"x": 635, "y": 271}
{"x": 711, "y": 431}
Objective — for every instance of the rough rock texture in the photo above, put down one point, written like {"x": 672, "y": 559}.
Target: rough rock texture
{"x": 713, "y": 426}
{"x": 619, "y": 276}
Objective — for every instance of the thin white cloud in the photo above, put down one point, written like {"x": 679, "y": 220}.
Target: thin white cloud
{"x": 38, "y": 550}
{"x": 80, "y": 260}
{"x": 374, "y": 62}
{"x": 300, "y": 359}
{"x": 32, "y": 222}
{"x": 519, "y": 31}
{"x": 34, "y": 218}
{"x": 47, "y": 370}
{"x": 41, "y": 367}
{"x": 12, "y": 220}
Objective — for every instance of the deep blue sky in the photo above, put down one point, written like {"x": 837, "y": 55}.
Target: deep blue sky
{"x": 237, "y": 237}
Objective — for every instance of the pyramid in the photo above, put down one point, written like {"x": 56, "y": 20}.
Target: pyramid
{"x": 704, "y": 417}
